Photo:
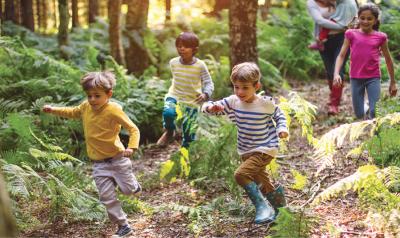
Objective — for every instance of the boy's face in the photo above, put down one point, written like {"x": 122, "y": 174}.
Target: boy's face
{"x": 245, "y": 91}
{"x": 185, "y": 52}
{"x": 97, "y": 97}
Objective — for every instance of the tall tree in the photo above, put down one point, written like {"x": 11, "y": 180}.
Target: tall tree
{"x": 1, "y": 11}
{"x": 242, "y": 31}
{"x": 43, "y": 13}
{"x": 114, "y": 15}
{"x": 27, "y": 14}
{"x": 75, "y": 15}
{"x": 17, "y": 12}
{"x": 93, "y": 10}
{"x": 9, "y": 11}
{"x": 137, "y": 58}
{"x": 167, "y": 10}
{"x": 63, "y": 27}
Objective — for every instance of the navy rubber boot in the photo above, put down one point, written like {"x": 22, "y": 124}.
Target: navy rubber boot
{"x": 277, "y": 198}
{"x": 264, "y": 211}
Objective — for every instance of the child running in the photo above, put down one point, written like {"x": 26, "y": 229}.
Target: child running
{"x": 259, "y": 122}
{"x": 102, "y": 122}
{"x": 366, "y": 45}
{"x": 191, "y": 86}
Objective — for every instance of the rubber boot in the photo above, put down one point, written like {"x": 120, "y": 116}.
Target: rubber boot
{"x": 276, "y": 198}
{"x": 334, "y": 98}
{"x": 264, "y": 211}
{"x": 166, "y": 138}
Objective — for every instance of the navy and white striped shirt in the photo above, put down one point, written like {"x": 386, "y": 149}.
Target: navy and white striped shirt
{"x": 258, "y": 123}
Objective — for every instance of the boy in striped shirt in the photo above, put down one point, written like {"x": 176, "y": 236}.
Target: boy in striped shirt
{"x": 259, "y": 122}
{"x": 191, "y": 86}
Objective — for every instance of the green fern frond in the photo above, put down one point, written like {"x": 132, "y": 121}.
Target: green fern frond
{"x": 326, "y": 146}
{"x": 10, "y": 105}
{"x": 303, "y": 111}
{"x": 348, "y": 183}
{"x": 45, "y": 145}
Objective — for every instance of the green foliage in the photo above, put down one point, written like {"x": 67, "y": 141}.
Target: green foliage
{"x": 292, "y": 224}
{"x": 220, "y": 75}
{"x": 384, "y": 148}
{"x": 283, "y": 42}
{"x": 300, "y": 181}
{"x": 325, "y": 148}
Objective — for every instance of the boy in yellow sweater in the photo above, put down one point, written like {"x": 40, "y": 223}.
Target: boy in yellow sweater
{"x": 102, "y": 121}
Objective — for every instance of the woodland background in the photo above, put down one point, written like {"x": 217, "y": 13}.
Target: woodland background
{"x": 348, "y": 169}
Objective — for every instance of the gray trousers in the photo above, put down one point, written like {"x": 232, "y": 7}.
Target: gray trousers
{"x": 109, "y": 175}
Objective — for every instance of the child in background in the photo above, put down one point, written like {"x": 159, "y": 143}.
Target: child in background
{"x": 345, "y": 14}
{"x": 260, "y": 122}
{"x": 366, "y": 45}
{"x": 102, "y": 122}
{"x": 191, "y": 86}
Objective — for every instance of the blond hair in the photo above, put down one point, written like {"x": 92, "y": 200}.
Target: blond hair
{"x": 105, "y": 80}
{"x": 246, "y": 72}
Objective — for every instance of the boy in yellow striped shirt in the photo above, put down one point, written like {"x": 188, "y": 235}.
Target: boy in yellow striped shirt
{"x": 102, "y": 121}
{"x": 191, "y": 86}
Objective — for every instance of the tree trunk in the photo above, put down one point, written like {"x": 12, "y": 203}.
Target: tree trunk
{"x": 265, "y": 10}
{"x": 167, "y": 10}
{"x": 93, "y": 10}
{"x": 63, "y": 27}
{"x": 9, "y": 11}
{"x": 114, "y": 15}
{"x": 8, "y": 226}
{"x": 17, "y": 12}
{"x": 39, "y": 14}
{"x": 75, "y": 15}
{"x": 43, "y": 13}
{"x": 55, "y": 13}
{"x": 1, "y": 12}
{"x": 27, "y": 14}
{"x": 243, "y": 31}
{"x": 137, "y": 57}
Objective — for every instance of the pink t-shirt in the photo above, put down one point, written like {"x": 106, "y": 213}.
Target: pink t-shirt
{"x": 365, "y": 53}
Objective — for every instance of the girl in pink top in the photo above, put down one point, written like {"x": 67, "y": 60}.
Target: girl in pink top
{"x": 366, "y": 45}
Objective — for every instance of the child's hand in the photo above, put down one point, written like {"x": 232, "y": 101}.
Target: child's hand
{"x": 201, "y": 98}
{"x": 47, "y": 108}
{"x": 283, "y": 134}
{"x": 392, "y": 88}
{"x": 215, "y": 108}
{"x": 337, "y": 80}
{"x": 128, "y": 152}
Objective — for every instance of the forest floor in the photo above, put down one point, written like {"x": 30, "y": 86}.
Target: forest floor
{"x": 339, "y": 217}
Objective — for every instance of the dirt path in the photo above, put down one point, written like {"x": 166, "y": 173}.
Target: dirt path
{"x": 340, "y": 214}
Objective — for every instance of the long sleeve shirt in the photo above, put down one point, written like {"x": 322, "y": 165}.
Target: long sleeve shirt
{"x": 346, "y": 11}
{"x": 321, "y": 17}
{"x": 102, "y": 127}
{"x": 189, "y": 80}
{"x": 258, "y": 123}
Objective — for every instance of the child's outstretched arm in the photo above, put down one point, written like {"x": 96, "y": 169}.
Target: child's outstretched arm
{"x": 389, "y": 65}
{"x": 337, "y": 80}
{"x": 69, "y": 112}
{"x": 216, "y": 108}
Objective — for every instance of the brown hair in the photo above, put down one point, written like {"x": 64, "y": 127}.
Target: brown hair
{"x": 374, "y": 10}
{"x": 246, "y": 72}
{"x": 188, "y": 39}
{"x": 105, "y": 80}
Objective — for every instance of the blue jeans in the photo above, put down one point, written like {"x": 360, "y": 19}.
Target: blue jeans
{"x": 189, "y": 120}
{"x": 358, "y": 87}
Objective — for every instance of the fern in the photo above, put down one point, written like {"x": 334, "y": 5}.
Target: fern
{"x": 366, "y": 178}
{"x": 326, "y": 146}
{"x": 302, "y": 110}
